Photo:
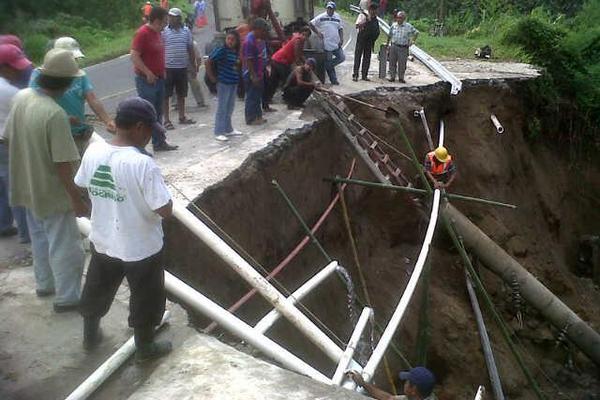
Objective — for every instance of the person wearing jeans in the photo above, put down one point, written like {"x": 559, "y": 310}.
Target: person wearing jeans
{"x": 221, "y": 68}
{"x": 328, "y": 26}
{"x": 42, "y": 154}
{"x": 148, "y": 58}
{"x": 253, "y": 71}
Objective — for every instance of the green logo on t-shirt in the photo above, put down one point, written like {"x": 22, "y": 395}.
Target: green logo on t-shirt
{"x": 103, "y": 185}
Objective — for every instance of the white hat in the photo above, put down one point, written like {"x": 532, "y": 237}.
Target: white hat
{"x": 175, "y": 12}
{"x": 59, "y": 63}
{"x": 68, "y": 43}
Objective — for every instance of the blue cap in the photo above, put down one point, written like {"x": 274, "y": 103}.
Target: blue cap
{"x": 330, "y": 4}
{"x": 138, "y": 109}
{"x": 420, "y": 377}
{"x": 311, "y": 61}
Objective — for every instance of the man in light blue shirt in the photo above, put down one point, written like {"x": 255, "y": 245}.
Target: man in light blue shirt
{"x": 402, "y": 36}
{"x": 328, "y": 26}
{"x": 74, "y": 98}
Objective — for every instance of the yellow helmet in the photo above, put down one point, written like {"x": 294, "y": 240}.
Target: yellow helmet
{"x": 441, "y": 153}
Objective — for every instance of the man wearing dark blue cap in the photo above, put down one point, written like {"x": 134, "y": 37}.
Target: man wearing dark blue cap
{"x": 129, "y": 199}
{"x": 418, "y": 385}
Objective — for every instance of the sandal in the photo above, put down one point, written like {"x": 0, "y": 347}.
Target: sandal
{"x": 186, "y": 121}
{"x": 168, "y": 125}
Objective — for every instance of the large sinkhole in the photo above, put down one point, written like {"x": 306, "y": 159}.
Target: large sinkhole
{"x": 555, "y": 207}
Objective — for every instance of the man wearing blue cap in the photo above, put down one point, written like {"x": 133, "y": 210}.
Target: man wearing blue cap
{"x": 418, "y": 385}
{"x": 129, "y": 199}
{"x": 328, "y": 26}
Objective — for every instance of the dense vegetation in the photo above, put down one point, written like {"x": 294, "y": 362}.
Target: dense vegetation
{"x": 560, "y": 36}
{"x": 103, "y": 27}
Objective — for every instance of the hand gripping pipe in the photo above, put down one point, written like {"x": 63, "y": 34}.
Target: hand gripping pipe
{"x": 250, "y": 275}
{"x": 204, "y": 305}
{"x": 104, "y": 371}
{"x": 497, "y": 124}
{"x": 268, "y": 320}
{"x": 367, "y": 313}
{"x": 392, "y": 326}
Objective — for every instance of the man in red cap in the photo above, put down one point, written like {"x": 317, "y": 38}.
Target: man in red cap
{"x": 12, "y": 64}
{"x": 23, "y": 79}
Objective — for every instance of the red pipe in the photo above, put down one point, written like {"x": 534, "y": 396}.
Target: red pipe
{"x": 290, "y": 256}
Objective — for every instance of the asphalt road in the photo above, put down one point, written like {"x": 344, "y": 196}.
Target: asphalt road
{"x": 113, "y": 80}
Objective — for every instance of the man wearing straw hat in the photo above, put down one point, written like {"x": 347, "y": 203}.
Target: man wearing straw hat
{"x": 74, "y": 99}
{"x": 41, "y": 157}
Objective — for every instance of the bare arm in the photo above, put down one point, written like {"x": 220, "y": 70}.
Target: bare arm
{"x": 341, "y": 32}
{"x": 65, "y": 175}
{"x": 210, "y": 70}
{"x": 165, "y": 211}
{"x": 373, "y": 390}
{"x": 100, "y": 111}
{"x": 315, "y": 30}
{"x": 300, "y": 81}
{"x": 136, "y": 58}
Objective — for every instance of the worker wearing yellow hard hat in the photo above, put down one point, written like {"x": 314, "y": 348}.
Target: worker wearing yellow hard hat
{"x": 439, "y": 168}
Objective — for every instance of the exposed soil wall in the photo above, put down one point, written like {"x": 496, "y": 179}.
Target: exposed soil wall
{"x": 556, "y": 205}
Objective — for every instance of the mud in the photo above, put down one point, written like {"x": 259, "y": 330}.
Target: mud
{"x": 555, "y": 201}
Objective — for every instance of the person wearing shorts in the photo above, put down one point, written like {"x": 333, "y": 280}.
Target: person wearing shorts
{"x": 179, "y": 56}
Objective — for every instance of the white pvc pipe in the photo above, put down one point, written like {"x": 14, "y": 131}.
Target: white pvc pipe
{"x": 104, "y": 371}
{"x": 230, "y": 322}
{"x": 268, "y": 320}
{"x": 250, "y": 275}
{"x": 342, "y": 367}
{"x": 391, "y": 327}
{"x": 421, "y": 113}
{"x": 227, "y": 320}
{"x": 497, "y": 124}
{"x": 480, "y": 393}
{"x": 442, "y": 134}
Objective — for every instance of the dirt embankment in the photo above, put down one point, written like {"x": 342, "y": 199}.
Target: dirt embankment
{"x": 555, "y": 202}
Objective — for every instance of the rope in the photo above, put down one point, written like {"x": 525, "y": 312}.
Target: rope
{"x": 257, "y": 265}
{"x": 361, "y": 275}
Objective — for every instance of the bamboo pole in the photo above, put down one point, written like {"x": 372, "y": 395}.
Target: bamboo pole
{"x": 420, "y": 192}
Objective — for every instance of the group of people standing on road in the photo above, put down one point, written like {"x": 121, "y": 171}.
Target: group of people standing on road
{"x": 54, "y": 171}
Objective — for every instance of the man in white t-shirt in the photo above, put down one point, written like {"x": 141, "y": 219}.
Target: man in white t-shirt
{"x": 129, "y": 199}
{"x": 328, "y": 26}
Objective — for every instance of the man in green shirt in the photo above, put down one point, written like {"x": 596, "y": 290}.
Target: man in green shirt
{"x": 41, "y": 157}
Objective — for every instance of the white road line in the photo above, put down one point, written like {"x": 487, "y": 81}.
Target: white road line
{"x": 112, "y": 96}
{"x": 347, "y": 43}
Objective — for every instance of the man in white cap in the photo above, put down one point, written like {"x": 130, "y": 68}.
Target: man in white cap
{"x": 74, "y": 99}
{"x": 41, "y": 157}
{"x": 328, "y": 26}
{"x": 179, "y": 56}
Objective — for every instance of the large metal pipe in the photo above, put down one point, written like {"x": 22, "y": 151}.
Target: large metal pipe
{"x": 392, "y": 325}
{"x": 230, "y": 322}
{"x": 533, "y": 291}
{"x": 268, "y": 320}
{"x": 250, "y": 275}
{"x": 104, "y": 371}
{"x": 488, "y": 354}
{"x": 367, "y": 313}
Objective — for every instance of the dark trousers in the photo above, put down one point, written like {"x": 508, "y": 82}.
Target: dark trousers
{"x": 362, "y": 51}
{"x": 253, "y": 102}
{"x": 279, "y": 74}
{"x": 295, "y": 96}
{"x": 146, "y": 284}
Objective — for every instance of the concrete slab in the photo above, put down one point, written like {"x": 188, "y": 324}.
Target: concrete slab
{"x": 204, "y": 368}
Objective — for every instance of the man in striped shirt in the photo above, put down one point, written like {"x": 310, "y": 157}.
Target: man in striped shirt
{"x": 179, "y": 55}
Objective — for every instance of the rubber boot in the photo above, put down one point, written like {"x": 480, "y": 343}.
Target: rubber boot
{"x": 92, "y": 334}
{"x": 146, "y": 347}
